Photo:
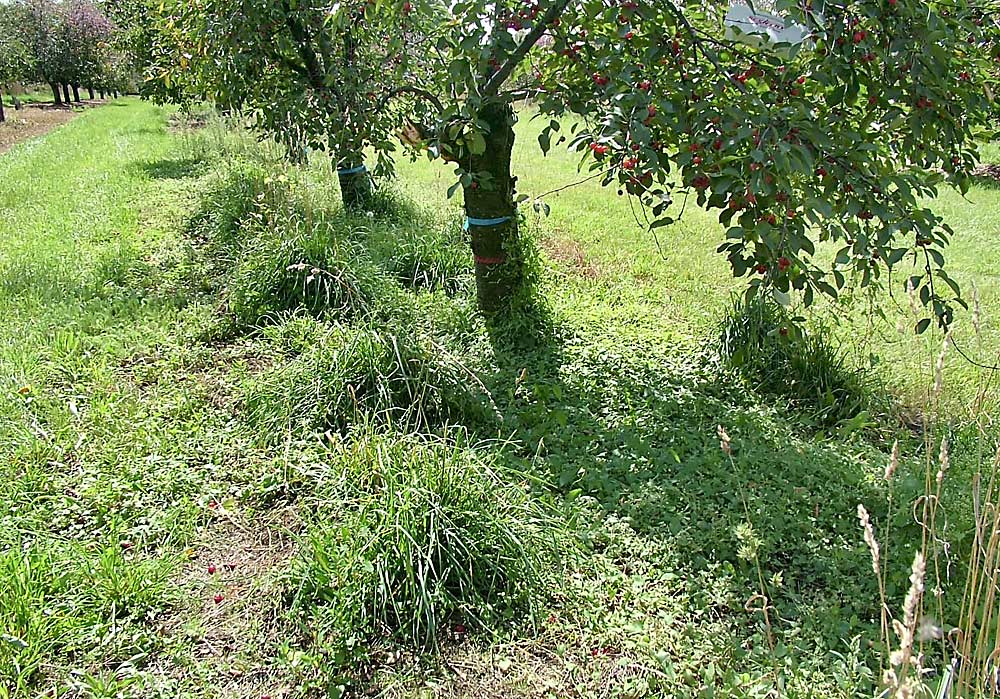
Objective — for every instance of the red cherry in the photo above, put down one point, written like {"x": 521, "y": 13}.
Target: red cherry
{"x": 696, "y": 160}
{"x": 218, "y": 599}
{"x": 459, "y": 628}
{"x": 790, "y": 213}
{"x": 801, "y": 80}
{"x": 652, "y": 110}
{"x": 717, "y": 144}
{"x": 761, "y": 269}
{"x": 784, "y": 263}
{"x": 211, "y": 569}
{"x": 407, "y": 8}
{"x": 772, "y": 219}
{"x": 646, "y": 85}
{"x": 859, "y": 37}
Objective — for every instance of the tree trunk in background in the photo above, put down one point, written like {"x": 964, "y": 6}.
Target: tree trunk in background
{"x": 90, "y": 93}
{"x": 56, "y": 95}
{"x": 17, "y": 102}
{"x": 67, "y": 97}
{"x": 101, "y": 93}
{"x": 3, "y": 117}
{"x": 76, "y": 93}
{"x": 355, "y": 184}
{"x": 492, "y": 216}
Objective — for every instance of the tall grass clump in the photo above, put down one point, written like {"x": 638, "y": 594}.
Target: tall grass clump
{"x": 276, "y": 247}
{"x": 942, "y": 639}
{"x": 428, "y": 537}
{"x": 761, "y": 341}
{"x": 298, "y": 267}
{"x": 359, "y": 372}
{"x": 421, "y": 253}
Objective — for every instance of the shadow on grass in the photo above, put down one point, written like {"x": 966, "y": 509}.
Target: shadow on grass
{"x": 635, "y": 428}
{"x": 169, "y": 168}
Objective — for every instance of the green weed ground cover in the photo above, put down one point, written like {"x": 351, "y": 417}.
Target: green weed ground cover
{"x": 252, "y": 446}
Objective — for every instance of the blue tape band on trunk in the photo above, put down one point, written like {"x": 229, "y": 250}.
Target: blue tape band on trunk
{"x": 469, "y": 221}
{"x": 352, "y": 171}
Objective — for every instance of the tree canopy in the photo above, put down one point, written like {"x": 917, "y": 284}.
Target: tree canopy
{"x": 837, "y": 139}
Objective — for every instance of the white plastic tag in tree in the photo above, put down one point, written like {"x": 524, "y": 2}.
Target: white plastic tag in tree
{"x": 758, "y": 28}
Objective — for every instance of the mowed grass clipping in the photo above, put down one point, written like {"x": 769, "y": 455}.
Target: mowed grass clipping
{"x": 101, "y": 473}
{"x": 250, "y": 445}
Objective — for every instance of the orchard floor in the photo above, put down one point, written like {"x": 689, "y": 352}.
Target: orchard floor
{"x": 153, "y": 536}
{"x": 34, "y": 120}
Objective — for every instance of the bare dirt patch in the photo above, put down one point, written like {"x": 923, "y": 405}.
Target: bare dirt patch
{"x": 987, "y": 171}
{"x": 226, "y": 632}
{"x": 570, "y": 253}
{"x": 36, "y": 120}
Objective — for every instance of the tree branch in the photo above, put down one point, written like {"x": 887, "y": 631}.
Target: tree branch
{"x": 494, "y": 84}
{"x": 304, "y": 46}
{"x": 428, "y": 96}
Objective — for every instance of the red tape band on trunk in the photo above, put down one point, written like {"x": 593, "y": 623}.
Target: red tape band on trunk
{"x": 489, "y": 260}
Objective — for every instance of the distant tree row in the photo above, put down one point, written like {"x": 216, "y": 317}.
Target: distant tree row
{"x": 67, "y": 44}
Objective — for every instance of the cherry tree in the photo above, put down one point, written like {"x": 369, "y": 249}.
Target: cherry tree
{"x": 68, "y": 43}
{"x": 15, "y": 60}
{"x": 838, "y": 137}
{"x": 310, "y": 73}
{"x": 88, "y": 35}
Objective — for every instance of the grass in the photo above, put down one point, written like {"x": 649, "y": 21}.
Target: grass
{"x": 253, "y": 446}
{"x": 34, "y": 94}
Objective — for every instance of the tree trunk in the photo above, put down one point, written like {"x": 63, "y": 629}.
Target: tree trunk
{"x": 76, "y": 93}
{"x": 67, "y": 97}
{"x": 3, "y": 117}
{"x": 355, "y": 185}
{"x": 56, "y": 94}
{"x": 90, "y": 93}
{"x": 492, "y": 215}
{"x": 17, "y": 102}
{"x": 101, "y": 93}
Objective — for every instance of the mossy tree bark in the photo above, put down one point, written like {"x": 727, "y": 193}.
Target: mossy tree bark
{"x": 489, "y": 204}
{"x": 67, "y": 97}
{"x": 90, "y": 93}
{"x": 76, "y": 93}
{"x": 56, "y": 94}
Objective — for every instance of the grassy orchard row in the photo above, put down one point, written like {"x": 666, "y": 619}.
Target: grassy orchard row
{"x": 790, "y": 147}
{"x": 285, "y": 367}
